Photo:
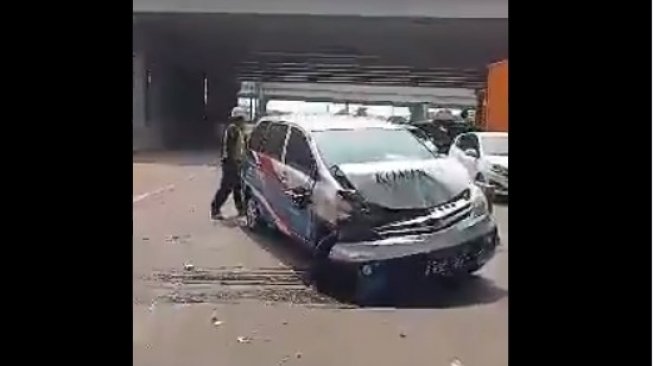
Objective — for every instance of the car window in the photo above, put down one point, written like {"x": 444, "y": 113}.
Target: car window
{"x": 424, "y": 138}
{"x": 298, "y": 152}
{"x": 495, "y": 145}
{"x": 369, "y": 145}
{"x": 274, "y": 141}
{"x": 258, "y": 135}
{"x": 467, "y": 141}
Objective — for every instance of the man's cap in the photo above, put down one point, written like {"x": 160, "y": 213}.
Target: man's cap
{"x": 239, "y": 112}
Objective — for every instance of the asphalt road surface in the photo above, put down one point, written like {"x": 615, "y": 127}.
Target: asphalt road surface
{"x": 211, "y": 294}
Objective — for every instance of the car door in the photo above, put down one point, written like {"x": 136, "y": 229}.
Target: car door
{"x": 299, "y": 172}
{"x": 252, "y": 175}
{"x": 270, "y": 163}
{"x": 454, "y": 149}
{"x": 465, "y": 142}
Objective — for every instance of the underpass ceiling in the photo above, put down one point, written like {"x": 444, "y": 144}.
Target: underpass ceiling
{"x": 406, "y": 8}
{"x": 402, "y": 51}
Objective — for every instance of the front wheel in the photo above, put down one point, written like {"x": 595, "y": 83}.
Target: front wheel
{"x": 253, "y": 219}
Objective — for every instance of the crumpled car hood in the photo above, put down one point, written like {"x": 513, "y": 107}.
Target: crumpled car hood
{"x": 408, "y": 184}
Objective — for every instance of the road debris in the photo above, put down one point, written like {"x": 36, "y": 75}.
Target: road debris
{"x": 402, "y": 335}
{"x": 172, "y": 238}
{"x": 242, "y": 339}
{"x": 214, "y": 319}
{"x": 456, "y": 362}
{"x": 189, "y": 267}
{"x": 298, "y": 355}
{"x": 284, "y": 322}
{"x": 145, "y": 238}
{"x": 284, "y": 360}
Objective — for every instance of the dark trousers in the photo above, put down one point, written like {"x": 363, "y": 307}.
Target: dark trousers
{"x": 230, "y": 184}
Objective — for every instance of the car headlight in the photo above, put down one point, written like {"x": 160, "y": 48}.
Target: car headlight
{"x": 499, "y": 169}
{"x": 479, "y": 203}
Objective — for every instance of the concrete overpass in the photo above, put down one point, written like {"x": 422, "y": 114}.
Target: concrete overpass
{"x": 182, "y": 47}
{"x": 364, "y": 94}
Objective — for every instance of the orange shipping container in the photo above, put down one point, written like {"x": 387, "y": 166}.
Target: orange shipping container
{"x": 496, "y": 113}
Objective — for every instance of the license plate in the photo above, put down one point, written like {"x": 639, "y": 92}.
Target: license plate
{"x": 436, "y": 267}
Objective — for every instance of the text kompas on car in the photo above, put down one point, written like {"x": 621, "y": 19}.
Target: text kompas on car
{"x": 399, "y": 210}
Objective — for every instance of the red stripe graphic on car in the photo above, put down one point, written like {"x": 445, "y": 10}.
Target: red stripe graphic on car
{"x": 266, "y": 165}
{"x": 269, "y": 176}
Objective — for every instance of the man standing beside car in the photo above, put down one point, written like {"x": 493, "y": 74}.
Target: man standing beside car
{"x": 233, "y": 153}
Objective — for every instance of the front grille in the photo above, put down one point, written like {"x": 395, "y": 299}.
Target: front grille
{"x": 377, "y": 222}
{"x": 425, "y": 227}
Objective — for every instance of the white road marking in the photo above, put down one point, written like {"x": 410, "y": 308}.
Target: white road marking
{"x": 145, "y": 195}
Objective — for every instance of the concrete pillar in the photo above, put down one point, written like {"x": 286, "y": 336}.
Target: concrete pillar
{"x": 178, "y": 107}
{"x": 222, "y": 98}
{"x": 262, "y": 106}
{"x": 145, "y": 133}
{"x": 418, "y": 112}
{"x": 138, "y": 90}
{"x": 261, "y": 102}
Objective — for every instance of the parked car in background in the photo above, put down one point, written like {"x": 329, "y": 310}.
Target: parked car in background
{"x": 401, "y": 211}
{"x": 398, "y": 120}
{"x": 485, "y": 156}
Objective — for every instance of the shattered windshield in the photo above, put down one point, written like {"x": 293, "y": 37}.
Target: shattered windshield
{"x": 495, "y": 145}
{"x": 369, "y": 145}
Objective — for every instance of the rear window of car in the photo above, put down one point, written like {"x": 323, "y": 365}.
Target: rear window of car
{"x": 276, "y": 136}
{"x": 369, "y": 145}
{"x": 495, "y": 145}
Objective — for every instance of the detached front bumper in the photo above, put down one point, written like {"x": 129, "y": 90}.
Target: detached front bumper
{"x": 462, "y": 248}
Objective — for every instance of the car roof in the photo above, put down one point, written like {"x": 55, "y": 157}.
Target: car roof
{"x": 492, "y": 134}
{"x": 314, "y": 123}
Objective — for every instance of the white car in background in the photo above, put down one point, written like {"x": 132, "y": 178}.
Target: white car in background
{"x": 485, "y": 156}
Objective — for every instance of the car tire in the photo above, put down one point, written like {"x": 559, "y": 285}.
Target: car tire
{"x": 253, "y": 220}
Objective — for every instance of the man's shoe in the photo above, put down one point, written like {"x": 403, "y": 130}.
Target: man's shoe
{"x": 217, "y": 216}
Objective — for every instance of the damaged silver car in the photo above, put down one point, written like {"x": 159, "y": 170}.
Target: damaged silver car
{"x": 398, "y": 208}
